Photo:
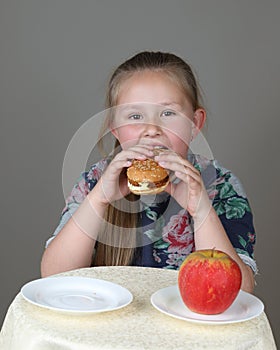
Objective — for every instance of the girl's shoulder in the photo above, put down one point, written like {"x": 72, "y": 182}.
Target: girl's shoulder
{"x": 214, "y": 173}
{"x": 202, "y": 163}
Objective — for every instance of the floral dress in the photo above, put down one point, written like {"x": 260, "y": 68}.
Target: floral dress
{"x": 167, "y": 234}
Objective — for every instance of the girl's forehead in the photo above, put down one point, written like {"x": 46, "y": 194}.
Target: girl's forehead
{"x": 150, "y": 87}
{"x": 150, "y": 74}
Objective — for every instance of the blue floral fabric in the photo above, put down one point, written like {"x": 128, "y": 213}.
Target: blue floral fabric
{"x": 167, "y": 229}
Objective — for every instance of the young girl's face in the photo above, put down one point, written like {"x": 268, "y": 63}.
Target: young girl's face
{"x": 153, "y": 109}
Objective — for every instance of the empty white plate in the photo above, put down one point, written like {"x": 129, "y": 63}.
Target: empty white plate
{"x": 74, "y": 294}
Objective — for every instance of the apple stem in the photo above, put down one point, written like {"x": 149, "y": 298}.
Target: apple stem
{"x": 212, "y": 254}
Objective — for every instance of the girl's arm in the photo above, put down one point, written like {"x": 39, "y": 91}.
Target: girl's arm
{"x": 209, "y": 232}
{"x": 73, "y": 247}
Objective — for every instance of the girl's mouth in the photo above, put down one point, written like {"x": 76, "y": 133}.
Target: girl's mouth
{"x": 158, "y": 149}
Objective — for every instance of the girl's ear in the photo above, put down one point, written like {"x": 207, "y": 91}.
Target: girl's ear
{"x": 199, "y": 120}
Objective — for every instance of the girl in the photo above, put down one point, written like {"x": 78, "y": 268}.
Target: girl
{"x": 153, "y": 101}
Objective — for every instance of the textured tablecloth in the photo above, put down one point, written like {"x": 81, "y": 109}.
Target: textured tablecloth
{"x": 137, "y": 326}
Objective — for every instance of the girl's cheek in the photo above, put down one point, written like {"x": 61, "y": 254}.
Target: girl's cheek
{"x": 180, "y": 147}
{"x": 128, "y": 139}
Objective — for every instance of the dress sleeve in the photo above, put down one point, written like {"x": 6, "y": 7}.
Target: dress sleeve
{"x": 234, "y": 211}
{"x": 83, "y": 186}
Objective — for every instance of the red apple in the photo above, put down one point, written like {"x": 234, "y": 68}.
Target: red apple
{"x": 209, "y": 281}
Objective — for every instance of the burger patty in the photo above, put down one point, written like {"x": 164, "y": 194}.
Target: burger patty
{"x": 150, "y": 184}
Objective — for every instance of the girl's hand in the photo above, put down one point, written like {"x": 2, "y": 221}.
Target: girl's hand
{"x": 113, "y": 183}
{"x": 190, "y": 192}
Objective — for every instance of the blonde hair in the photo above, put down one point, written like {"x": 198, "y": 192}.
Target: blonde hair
{"x": 117, "y": 216}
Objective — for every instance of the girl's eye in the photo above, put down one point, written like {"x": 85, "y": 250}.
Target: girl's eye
{"x": 168, "y": 113}
{"x": 135, "y": 117}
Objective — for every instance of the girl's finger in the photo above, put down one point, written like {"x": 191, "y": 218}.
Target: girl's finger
{"x": 183, "y": 168}
{"x": 185, "y": 173}
{"x": 174, "y": 162}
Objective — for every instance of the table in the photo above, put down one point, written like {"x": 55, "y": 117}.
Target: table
{"x": 136, "y": 326}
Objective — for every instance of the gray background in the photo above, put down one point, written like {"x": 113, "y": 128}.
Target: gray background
{"x": 56, "y": 57}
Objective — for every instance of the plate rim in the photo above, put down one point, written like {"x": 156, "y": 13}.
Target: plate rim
{"x": 207, "y": 319}
{"x": 74, "y": 311}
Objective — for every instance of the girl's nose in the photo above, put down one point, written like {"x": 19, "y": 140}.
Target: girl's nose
{"x": 152, "y": 130}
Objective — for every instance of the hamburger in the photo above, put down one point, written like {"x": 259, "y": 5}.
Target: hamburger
{"x": 146, "y": 177}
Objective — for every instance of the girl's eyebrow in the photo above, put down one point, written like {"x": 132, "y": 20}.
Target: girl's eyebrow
{"x": 171, "y": 103}
{"x": 141, "y": 104}
{"x": 130, "y": 106}
{"x": 176, "y": 106}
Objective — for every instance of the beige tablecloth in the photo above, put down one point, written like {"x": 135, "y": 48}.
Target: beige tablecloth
{"x": 137, "y": 326}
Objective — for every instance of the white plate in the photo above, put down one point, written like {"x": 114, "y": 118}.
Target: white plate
{"x": 245, "y": 307}
{"x": 77, "y": 295}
